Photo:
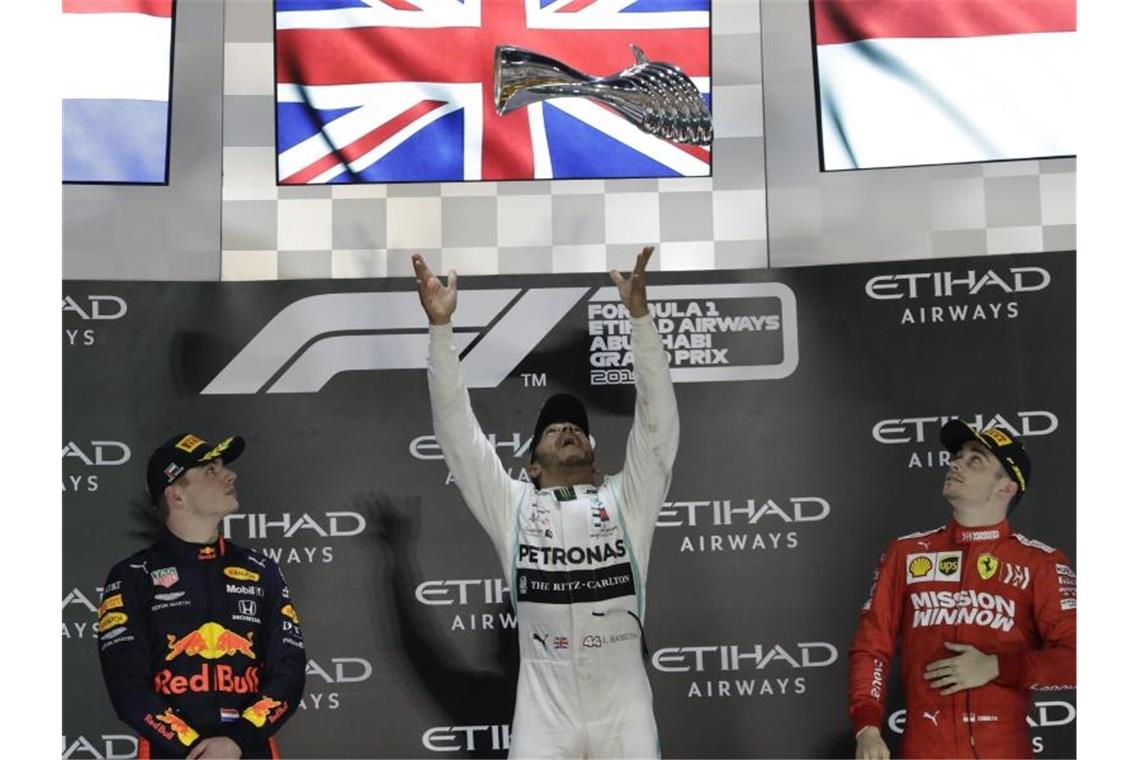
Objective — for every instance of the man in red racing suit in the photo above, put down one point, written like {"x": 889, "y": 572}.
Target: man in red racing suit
{"x": 985, "y": 616}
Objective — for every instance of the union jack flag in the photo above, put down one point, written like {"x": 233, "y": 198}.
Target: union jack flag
{"x": 561, "y": 642}
{"x": 402, "y": 90}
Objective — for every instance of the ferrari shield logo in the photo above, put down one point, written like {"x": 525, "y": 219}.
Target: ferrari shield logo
{"x": 987, "y": 566}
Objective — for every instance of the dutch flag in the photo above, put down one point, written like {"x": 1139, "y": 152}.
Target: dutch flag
{"x": 116, "y": 90}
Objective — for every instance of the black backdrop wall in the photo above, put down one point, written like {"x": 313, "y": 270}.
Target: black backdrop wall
{"x": 810, "y": 401}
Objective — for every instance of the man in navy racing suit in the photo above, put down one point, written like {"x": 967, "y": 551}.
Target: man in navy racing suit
{"x": 199, "y": 642}
{"x": 576, "y": 552}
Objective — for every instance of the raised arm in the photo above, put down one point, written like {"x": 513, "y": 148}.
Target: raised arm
{"x": 653, "y": 439}
{"x": 488, "y": 490}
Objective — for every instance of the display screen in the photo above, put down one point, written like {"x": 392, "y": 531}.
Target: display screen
{"x": 116, "y": 90}
{"x": 403, "y": 90}
{"x": 911, "y": 82}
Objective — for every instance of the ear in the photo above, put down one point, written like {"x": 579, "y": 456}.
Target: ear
{"x": 533, "y": 471}
{"x": 173, "y": 497}
{"x": 1008, "y": 488}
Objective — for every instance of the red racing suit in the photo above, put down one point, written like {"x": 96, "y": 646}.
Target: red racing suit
{"x": 200, "y": 640}
{"x": 998, "y": 591}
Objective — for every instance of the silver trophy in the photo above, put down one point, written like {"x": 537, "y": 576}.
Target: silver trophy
{"x": 655, "y": 96}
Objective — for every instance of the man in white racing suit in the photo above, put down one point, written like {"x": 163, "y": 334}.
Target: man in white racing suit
{"x": 576, "y": 553}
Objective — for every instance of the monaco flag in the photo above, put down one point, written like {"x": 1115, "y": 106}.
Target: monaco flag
{"x": 907, "y": 82}
{"x": 116, "y": 90}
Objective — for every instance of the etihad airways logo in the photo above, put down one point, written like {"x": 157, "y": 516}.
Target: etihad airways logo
{"x": 946, "y": 284}
{"x": 515, "y": 445}
{"x": 736, "y": 657}
{"x": 108, "y": 746}
{"x": 925, "y": 429}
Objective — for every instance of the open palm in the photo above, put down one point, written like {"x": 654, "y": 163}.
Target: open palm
{"x": 632, "y": 290}
{"x": 437, "y": 299}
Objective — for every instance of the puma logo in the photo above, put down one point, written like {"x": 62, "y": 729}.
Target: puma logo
{"x": 540, "y": 639}
{"x": 933, "y": 718}
{"x": 924, "y": 545}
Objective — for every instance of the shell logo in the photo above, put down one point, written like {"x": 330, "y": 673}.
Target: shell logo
{"x": 920, "y": 567}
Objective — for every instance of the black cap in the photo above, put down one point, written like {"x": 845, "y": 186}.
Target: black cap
{"x": 1004, "y": 444}
{"x": 183, "y": 451}
{"x": 561, "y": 407}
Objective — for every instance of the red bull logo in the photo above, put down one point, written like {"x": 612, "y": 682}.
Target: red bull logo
{"x": 168, "y": 725}
{"x": 207, "y": 552}
{"x": 210, "y": 641}
{"x": 224, "y": 680}
{"x": 258, "y": 712}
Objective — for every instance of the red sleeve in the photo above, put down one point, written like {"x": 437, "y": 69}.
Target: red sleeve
{"x": 1054, "y": 664}
{"x": 869, "y": 658}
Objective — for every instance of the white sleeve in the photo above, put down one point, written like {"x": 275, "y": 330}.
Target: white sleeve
{"x": 653, "y": 440}
{"x": 490, "y": 493}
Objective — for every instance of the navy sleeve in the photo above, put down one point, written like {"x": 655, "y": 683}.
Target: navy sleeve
{"x": 124, "y": 653}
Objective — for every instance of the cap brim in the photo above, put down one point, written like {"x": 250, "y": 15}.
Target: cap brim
{"x": 563, "y": 408}
{"x": 228, "y": 450}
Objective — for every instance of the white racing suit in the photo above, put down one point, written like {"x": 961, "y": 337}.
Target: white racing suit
{"x": 577, "y": 559}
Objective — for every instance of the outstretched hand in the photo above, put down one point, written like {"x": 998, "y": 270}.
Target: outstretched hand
{"x": 633, "y": 290}
{"x": 438, "y": 301}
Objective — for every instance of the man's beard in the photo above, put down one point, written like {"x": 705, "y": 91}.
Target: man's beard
{"x": 550, "y": 461}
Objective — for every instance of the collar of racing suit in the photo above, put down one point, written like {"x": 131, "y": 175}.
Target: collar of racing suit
{"x": 191, "y": 550}
{"x": 964, "y": 535}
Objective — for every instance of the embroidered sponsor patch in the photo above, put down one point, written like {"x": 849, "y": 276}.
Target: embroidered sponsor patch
{"x": 165, "y": 577}
{"x": 241, "y": 574}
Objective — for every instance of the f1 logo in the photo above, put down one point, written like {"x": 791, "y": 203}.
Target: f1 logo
{"x": 314, "y": 339}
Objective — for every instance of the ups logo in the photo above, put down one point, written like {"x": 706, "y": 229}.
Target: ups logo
{"x": 949, "y": 565}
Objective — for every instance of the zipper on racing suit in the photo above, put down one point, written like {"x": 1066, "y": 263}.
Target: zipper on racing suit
{"x": 957, "y": 635}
